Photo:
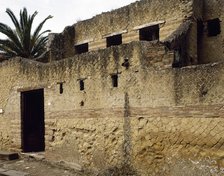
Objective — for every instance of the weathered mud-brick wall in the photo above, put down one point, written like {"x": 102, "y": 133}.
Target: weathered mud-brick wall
{"x": 158, "y": 121}
{"x": 93, "y": 120}
{"x": 61, "y": 45}
{"x": 212, "y": 47}
{"x": 67, "y": 114}
{"x": 154, "y": 120}
{"x": 182, "y": 127}
{"x": 127, "y": 21}
{"x": 8, "y": 72}
{"x": 134, "y": 15}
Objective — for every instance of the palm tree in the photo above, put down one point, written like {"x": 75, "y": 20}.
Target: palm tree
{"x": 20, "y": 41}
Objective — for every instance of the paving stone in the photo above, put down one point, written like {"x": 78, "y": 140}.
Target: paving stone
{"x": 2, "y": 170}
{"x": 13, "y": 173}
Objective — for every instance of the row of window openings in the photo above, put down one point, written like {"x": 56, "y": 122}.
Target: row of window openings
{"x": 145, "y": 34}
{"x": 151, "y": 33}
{"x": 114, "y": 79}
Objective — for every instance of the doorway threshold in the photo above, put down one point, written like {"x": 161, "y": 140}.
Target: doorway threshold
{"x": 34, "y": 155}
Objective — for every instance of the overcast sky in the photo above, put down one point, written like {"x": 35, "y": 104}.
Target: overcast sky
{"x": 65, "y": 12}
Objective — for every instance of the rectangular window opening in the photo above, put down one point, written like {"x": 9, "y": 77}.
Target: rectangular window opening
{"x": 81, "y": 85}
{"x": 150, "y": 33}
{"x": 114, "y": 40}
{"x": 213, "y": 27}
{"x": 82, "y": 48}
{"x": 114, "y": 80}
{"x": 61, "y": 88}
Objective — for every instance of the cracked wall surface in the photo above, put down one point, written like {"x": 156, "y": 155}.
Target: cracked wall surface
{"x": 158, "y": 121}
{"x": 127, "y": 21}
{"x": 169, "y": 15}
{"x": 212, "y": 47}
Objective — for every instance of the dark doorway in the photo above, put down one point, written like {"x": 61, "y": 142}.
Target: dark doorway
{"x": 32, "y": 120}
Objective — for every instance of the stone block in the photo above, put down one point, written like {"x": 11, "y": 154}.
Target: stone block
{"x": 8, "y": 155}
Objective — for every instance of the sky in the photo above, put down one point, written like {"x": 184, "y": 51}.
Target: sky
{"x": 64, "y": 12}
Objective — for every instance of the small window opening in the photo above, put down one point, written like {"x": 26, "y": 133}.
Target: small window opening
{"x": 61, "y": 88}
{"x": 81, "y": 103}
{"x": 213, "y": 27}
{"x": 81, "y": 85}
{"x": 114, "y": 80}
{"x": 126, "y": 63}
{"x": 149, "y": 33}
{"x": 83, "y": 48}
{"x": 114, "y": 40}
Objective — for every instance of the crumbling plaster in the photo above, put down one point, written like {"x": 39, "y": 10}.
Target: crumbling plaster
{"x": 168, "y": 14}
{"x": 156, "y": 119}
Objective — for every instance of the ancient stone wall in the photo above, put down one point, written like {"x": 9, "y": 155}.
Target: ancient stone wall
{"x": 212, "y": 47}
{"x": 158, "y": 121}
{"x": 129, "y": 17}
{"x": 61, "y": 45}
{"x": 126, "y": 21}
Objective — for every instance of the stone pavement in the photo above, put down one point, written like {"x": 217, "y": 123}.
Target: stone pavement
{"x": 36, "y": 166}
{"x": 6, "y": 172}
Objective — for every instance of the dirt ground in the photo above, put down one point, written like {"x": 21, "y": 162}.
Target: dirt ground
{"x": 35, "y": 164}
{"x": 38, "y": 168}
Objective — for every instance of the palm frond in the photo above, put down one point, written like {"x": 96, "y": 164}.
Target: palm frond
{"x": 10, "y": 45}
{"x": 14, "y": 20}
{"x": 5, "y": 29}
{"x": 39, "y": 45}
{"x": 39, "y": 27}
{"x": 20, "y": 41}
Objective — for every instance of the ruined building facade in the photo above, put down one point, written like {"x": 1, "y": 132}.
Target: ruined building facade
{"x": 138, "y": 89}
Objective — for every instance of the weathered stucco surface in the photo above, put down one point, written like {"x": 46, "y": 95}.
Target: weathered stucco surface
{"x": 213, "y": 47}
{"x": 126, "y": 21}
{"x": 160, "y": 120}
